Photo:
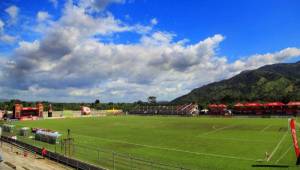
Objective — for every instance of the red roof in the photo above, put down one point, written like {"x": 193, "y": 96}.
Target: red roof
{"x": 253, "y": 104}
{"x": 293, "y": 104}
{"x": 29, "y": 108}
{"x": 222, "y": 105}
{"x": 212, "y": 105}
{"x": 239, "y": 105}
{"x": 217, "y": 106}
{"x": 274, "y": 104}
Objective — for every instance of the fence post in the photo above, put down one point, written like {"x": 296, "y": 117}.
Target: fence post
{"x": 57, "y": 158}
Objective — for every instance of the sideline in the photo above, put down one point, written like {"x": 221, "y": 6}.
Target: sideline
{"x": 237, "y": 140}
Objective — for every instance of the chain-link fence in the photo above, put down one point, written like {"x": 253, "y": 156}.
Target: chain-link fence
{"x": 95, "y": 156}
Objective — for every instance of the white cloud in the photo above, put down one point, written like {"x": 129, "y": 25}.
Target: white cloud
{"x": 1, "y": 25}
{"x": 98, "y": 5}
{"x": 259, "y": 60}
{"x": 13, "y": 12}
{"x": 7, "y": 38}
{"x": 69, "y": 63}
{"x": 157, "y": 39}
{"x": 87, "y": 25}
{"x": 42, "y": 16}
{"x": 154, "y": 21}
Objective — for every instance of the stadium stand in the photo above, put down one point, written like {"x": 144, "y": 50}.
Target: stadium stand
{"x": 187, "y": 109}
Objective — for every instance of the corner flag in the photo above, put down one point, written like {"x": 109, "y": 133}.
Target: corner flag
{"x": 295, "y": 141}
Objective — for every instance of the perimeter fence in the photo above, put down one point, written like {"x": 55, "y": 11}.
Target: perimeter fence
{"x": 83, "y": 157}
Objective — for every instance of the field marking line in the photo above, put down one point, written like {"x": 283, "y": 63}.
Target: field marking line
{"x": 236, "y": 139}
{"x": 265, "y": 128}
{"x": 179, "y": 150}
{"x": 283, "y": 155}
{"x": 277, "y": 146}
{"x": 217, "y": 130}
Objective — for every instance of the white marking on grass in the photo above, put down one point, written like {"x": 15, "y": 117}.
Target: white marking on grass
{"x": 179, "y": 150}
{"x": 277, "y": 146}
{"x": 236, "y": 139}
{"x": 283, "y": 155}
{"x": 217, "y": 130}
{"x": 265, "y": 128}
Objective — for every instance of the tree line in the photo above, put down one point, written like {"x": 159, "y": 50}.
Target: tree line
{"x": 60, "y": 106}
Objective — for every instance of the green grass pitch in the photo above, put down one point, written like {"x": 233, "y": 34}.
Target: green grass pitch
{"x": 191, "y": 142}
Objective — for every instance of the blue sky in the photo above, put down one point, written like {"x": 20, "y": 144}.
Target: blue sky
{"x": 256, "y": 26}
{"x": 185, "y": 40}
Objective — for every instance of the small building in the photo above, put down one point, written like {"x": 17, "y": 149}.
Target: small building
{"x": 293, "y": 108}
{"x": 47, "y": 136}
{"x": 217, "y": 109}
{"x": 8, "y": 128}
{"x": 24, "y": 131}
{"x": 276, "y": 108}
{"x": 25, "y": 113}
{"x": 253, "y": 108}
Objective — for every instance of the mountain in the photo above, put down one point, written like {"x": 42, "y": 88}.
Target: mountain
{"x": 4, "y": 100}
{"x": 277, "y": 82}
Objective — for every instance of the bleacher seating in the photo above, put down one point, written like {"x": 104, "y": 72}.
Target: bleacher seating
{"x": 187, "y": 109}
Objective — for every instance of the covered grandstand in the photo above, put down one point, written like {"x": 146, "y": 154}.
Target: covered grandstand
{"x": 186, "y": 109}
{"x": 257, "y": 108}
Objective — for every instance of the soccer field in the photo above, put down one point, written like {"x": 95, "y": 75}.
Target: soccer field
{"x": 191, "y": 142}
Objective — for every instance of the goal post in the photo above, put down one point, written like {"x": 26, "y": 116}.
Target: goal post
{"x": 292, "y": 123}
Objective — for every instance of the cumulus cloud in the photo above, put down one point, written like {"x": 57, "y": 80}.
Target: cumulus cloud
{"x": 5, "y": 38}
{"x": 42, "y": 16}
{"x": 98, "y": 5}
{"x": 1, "y": 25}
{"x": 259, "y": 60}
{"x": 77, "y": 18}
{"x": 13, "y": 12}
{"x": 69, "y": 63}
{"x": 154, "y": 21}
